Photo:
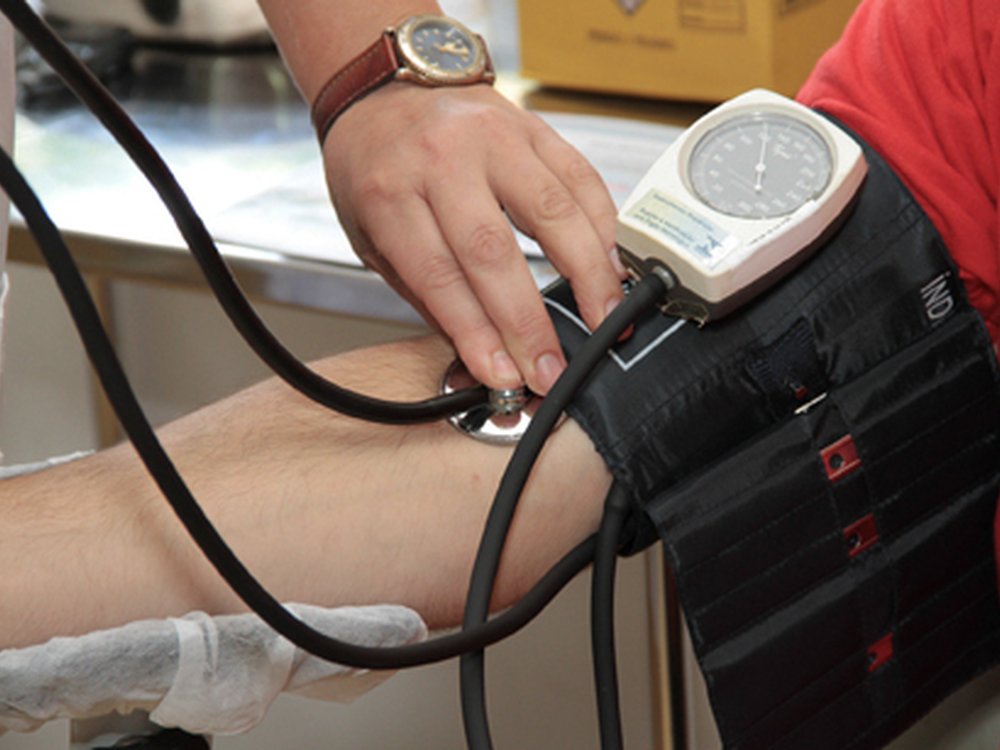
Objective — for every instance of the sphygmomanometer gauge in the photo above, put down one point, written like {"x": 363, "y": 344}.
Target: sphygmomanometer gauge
{"x": 737, "y": 200}
{"x": 760, "y": 165}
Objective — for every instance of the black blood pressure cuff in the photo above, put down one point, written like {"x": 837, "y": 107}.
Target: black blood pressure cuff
{"x": 823, "y": 469}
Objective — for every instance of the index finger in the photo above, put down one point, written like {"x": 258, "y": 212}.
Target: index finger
{"x": 483, "y": 241}
{"x": 545, "y": 207}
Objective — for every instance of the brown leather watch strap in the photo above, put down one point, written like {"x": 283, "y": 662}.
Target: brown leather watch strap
{"x": 366, "y": 72}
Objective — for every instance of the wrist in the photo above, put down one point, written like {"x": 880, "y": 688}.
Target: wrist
{"x": 316, "y": 42}
{"x": 426, "y": 49}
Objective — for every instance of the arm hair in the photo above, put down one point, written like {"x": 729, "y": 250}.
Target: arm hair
{"x": 323, "y": 508}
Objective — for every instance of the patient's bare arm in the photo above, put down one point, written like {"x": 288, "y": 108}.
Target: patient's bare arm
{"x": 323, "y": 509}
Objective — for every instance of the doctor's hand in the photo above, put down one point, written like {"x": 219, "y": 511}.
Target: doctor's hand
{"x": 424, "y": 181}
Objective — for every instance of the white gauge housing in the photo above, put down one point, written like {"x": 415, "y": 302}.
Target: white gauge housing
{"x": 739, "y": 198}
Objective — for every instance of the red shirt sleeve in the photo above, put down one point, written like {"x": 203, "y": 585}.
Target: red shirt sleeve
{"x": 920, "y": 81}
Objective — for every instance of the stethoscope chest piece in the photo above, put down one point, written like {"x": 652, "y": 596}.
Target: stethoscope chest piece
{"x": 501, "y": 420}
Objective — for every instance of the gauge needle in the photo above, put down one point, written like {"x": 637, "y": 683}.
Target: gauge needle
{"x": 761, "y": 167}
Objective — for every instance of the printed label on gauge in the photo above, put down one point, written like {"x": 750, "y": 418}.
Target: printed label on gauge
{"x": 705, "y": 241}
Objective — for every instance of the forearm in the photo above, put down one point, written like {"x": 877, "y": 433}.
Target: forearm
{"x": 319, "y": 37}
{"x": 324, "y": 509}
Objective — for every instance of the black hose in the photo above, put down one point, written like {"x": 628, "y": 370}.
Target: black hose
{"x": 602, "y": 616}
{"x": 208, "y": 539}
{"x": 643, "y": 296}
{"x": 475, "y": 635}
{"x": 98, "y": 100}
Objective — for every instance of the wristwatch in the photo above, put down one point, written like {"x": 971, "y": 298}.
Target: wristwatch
{"x": 426, "y": 49}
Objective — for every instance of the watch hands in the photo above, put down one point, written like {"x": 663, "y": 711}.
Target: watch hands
{"x": 453, "y": 48}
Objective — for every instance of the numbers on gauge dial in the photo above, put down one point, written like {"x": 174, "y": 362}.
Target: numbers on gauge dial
{"x": 760, "y": 166}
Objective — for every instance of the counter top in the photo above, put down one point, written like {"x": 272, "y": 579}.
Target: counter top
{"x": 237, "y": 135}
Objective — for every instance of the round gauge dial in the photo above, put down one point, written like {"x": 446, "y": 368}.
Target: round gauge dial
{"x": 441, "y": 48}
{"x": 760, "y": 165}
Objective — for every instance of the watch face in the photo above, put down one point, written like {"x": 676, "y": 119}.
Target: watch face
{"x": 760, "y": 165}
{"x": 441, "y": 49}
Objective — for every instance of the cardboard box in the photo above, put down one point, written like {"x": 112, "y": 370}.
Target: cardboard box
{"x": 696, "y": 50}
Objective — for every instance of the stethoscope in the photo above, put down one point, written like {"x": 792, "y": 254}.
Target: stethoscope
{"x": 470, "y": 408}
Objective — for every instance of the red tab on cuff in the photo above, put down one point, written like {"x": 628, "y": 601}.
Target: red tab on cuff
{"x": 840, "y": 458}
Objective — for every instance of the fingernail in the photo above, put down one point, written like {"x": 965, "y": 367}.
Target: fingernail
{"x": 505, "y": 372}
{"x": 616, "y": 261}
{"x": 548, "y": 368}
